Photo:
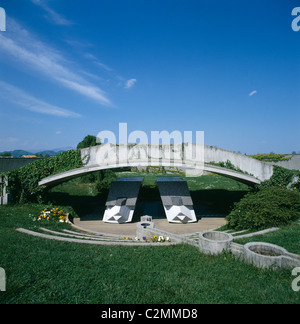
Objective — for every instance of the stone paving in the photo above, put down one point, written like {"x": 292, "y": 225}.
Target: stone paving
{"x": 129, "y": 229}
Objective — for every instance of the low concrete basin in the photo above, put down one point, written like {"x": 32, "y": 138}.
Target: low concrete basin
{"x": 266, "y": 255}
{"x": 214, "y": 243}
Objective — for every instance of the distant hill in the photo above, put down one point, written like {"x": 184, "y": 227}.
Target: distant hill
{"x": 17, "y": 153}
{"x": 20, "y": 153}
{"x": 50, "y": 153}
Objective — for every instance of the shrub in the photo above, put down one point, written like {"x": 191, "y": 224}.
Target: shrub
{"x": 283, "y": 178}
{"x": 104, "y": 180}
{"x": 272, "y": 157}
{"x": 266, "y": 208}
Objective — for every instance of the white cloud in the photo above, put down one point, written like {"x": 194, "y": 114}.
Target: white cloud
{"x": 87, "y": 90}
{"x": 53, "y": 16}
{"x": 27, "y": 49}
{"x": 130, "y": 83}
{"x": 96, "y": 61}
{"x": 252, "y": 93}
{"x": 23, "y": 99}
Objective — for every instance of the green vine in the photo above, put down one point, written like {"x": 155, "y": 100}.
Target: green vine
{"x": 23, "y": 182}
{"x": 271, "y": 157}
{"x": 229, "y": 165}
{"x": 283, "y": 178}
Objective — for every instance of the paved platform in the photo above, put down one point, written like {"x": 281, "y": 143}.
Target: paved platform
{"x": 129, "y": 229}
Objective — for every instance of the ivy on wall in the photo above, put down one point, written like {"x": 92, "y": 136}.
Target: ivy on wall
{"x": 23, "y": 182}
{"x": 271, "y": 157}
{"x": 283, "y": 178}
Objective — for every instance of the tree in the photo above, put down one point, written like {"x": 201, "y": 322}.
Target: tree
{"x": 88, "y": 141}
{"x": 6, "y": 154}
{"x": 103, "y": 178}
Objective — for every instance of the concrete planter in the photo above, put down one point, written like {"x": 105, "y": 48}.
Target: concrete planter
{"x": 265, "y": 255}
{"x": 142, "y": 229}
{"x": 214, "y": 243}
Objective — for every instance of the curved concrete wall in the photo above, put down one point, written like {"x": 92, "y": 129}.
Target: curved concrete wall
{"x": 71, "y": 174}
{"x": 113, "y": 156}
{"x": 292, "y": 164}
{"x": 260, "y": 170}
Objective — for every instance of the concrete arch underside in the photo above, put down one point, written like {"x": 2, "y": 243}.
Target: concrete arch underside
{"x": 194, "y": 159}
{"x": 68, "y": 175}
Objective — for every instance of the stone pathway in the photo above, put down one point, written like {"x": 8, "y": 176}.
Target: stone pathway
{"x": 76, "y": 237}
{"x": 129, "y": 229}
{"x": 94, "y": 231}
{"x": 98, "y": 233}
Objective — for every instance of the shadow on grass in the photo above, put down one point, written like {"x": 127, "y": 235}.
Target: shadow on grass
{"x": 82, "y": 205}
{"x": 219, "y": 200}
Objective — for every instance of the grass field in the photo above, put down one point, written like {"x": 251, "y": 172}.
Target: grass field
{"x": 44, "y": 271}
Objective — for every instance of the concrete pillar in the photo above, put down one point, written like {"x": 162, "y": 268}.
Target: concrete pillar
{"x": 3, "y": 192}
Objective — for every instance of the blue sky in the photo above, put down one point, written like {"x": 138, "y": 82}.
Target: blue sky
{"x": 73, "y": 68}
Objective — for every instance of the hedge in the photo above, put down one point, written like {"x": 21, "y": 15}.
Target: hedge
{"x": 23, "y": 182}
{"x": 268, "y": 207}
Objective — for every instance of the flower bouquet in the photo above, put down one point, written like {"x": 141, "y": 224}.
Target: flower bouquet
{"x": 53, "y": 214}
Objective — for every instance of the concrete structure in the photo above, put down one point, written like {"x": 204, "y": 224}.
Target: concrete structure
{"x": 129, "y": 229}
{"x": 266, "y": 255}
{"x": 259, "y": 254}
{"x": 3, "y": 193}
{"x": 193, "y": 159}
{"x": 292, "y": 164}
{"x": 214, "y": 243}
{"x": 145, "y": 223}
{"x": 9, "y": 164}
{"x": 122, "y": 199}
{"x": 88, "y": 240}
{"x": 176, "y": 199}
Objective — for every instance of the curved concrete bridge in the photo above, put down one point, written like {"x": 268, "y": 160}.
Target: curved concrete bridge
{"x": 194, "y": 159}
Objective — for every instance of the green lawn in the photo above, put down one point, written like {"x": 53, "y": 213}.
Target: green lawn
{"x": 44, "y": 271}
{"x": 287, "y": 237}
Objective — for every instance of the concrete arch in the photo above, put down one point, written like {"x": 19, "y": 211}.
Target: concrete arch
{"x": 192, "y": 158}
{"x": 68, "y": 175}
